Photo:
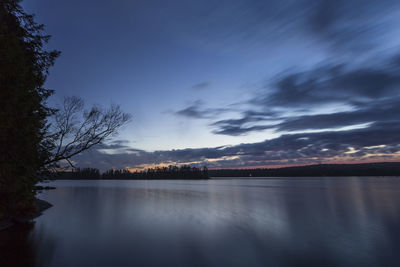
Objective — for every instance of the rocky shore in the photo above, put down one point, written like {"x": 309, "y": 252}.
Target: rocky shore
{"x": 41, "y": 206}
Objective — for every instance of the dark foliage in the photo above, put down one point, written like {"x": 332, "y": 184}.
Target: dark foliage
{"x": 85, "y": 173}
{"x": 366, "y": 169}
{"x": 187, "y": 172}
{"x": 24, "y": 65}
{"x": 170, "y": 173}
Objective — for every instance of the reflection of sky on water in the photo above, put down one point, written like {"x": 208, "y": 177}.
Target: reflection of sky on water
{"x": 253, "y": 222}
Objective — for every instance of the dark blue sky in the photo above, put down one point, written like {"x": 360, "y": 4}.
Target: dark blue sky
{"x": 233, "y": 83}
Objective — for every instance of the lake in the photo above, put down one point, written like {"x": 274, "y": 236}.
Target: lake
{"x": 342, "y": 221}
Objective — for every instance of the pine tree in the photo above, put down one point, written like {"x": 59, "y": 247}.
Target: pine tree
{"x": 24, "y": 66}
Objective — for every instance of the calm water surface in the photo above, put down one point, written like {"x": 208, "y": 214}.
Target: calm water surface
{"x": 223, "y": 222}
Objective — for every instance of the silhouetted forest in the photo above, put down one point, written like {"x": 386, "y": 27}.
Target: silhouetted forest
{"x": 167, "y": 173}
{"x": 85, "y": 173}
{"x": 366, "y": 169}
{"x": 187, "y": 172}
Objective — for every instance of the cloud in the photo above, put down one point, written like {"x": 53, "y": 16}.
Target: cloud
{"x": 351, "y": 25}
{"x": 197, "y": 111}
{"x": 236, "y": 130}
{"x": 383, "y": 111}
{"x": 115, "y": 144}
{"x": 345, "y": 108}
{"x": 192, "y": 111}
{"x": 332, "y": 84}
{"x": 235, "y": 127}
{"x": 381, "y": 140}
{"x": 354, "y": 83}
{"x": 201, "y": 86}
{"x": 343, "y": 27}
{"x": 322, "y": 98}
{"x": 350, "y": 86}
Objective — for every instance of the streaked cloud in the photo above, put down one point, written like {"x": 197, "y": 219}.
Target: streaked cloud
{"x": 380, "y": 141}
{"x": 201, "y": 86}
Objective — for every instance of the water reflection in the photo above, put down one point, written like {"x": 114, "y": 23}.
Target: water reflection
{"x": 21, "y": 246}
{"x": 232, "y": 222}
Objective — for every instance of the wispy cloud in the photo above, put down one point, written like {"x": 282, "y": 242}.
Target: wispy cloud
{"x": 369, "y": 94}
{"x": 201, "y": 86}
{"x": 378, "y": 141}
{"x": 198, "y": 111}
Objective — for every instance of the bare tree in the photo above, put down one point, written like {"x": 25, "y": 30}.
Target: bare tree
{"x": 75, "y": 129}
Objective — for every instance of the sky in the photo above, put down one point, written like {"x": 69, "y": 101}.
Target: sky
{"x": 232, "y": 84}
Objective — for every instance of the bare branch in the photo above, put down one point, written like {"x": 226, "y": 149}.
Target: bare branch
{"x": 77, "y": 130}
{"x": 70, "y": 163}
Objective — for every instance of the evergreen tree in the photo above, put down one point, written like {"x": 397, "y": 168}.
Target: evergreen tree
{"x": 24, "y": 65}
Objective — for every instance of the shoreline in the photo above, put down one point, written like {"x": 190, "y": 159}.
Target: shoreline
{"x": 41, "y": 206}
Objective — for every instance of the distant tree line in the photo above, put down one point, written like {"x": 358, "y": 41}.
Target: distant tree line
{"x": 187, "y": 172}
{"x": 159, "y": 173}
{"x": 84, "y": 173}
{"x": 366, "y": 169}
